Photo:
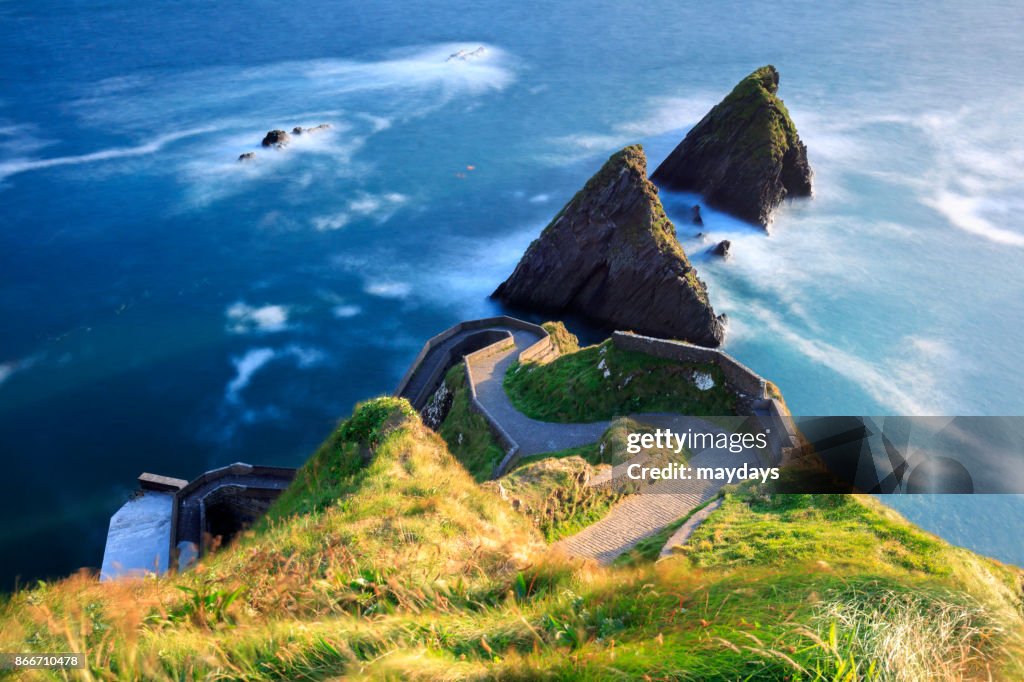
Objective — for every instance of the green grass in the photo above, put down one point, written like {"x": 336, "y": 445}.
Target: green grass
{"x": 564, "y": 340}
{"x": 553, "y": 493}
{"x": 649, "y": 549}
{"x": 574, "y": 387}
{"x": 773, "y": 131}
{"x": 466, "y": 432}
{"x": 756, "y": 528}
{"x": 388, "y": 561}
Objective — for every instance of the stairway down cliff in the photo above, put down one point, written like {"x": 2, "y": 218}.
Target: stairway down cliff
{"x": 612, "y": 255}
{"x": 744, "y": 156}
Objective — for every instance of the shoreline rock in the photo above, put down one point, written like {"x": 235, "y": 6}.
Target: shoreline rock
{"x": 276, "y": 138}
{"x": 722, "y": 249}
{"x": 611, "y": 255}
{"x": 745, "y": 155}
{"x": 299, "y": 130}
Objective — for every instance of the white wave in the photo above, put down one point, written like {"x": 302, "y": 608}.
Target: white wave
{"x": 403, "y": 85}
{"x": 276, "y": 94}
{"x": 966, "y": 213}
{"x": 12, "y": 367}
{"x": 343, "y": 312}
{"x": 256, "y": 359}
{"x": 304, "y": 356}
{"x": 907, "y": 385}
{"x": 18, "y": 139}
{"x": 15, "y": 166}
{"x": 245, "y": 319}
{"x": 379, "y": 207}
{"x": 388, "y": 289}
{"x": 334, "y": 221}
{"x": 964, "y": 163}
{"x": 245, "y": 367}
{"x": 663, "y": 115}
{"x": 539, "y": 199}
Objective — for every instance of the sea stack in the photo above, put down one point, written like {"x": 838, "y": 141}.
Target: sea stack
{"x": 744, "y": 156}
{"x": 611, "y": 255}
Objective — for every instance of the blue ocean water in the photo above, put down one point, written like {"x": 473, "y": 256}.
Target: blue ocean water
{"x": 166, "y": 308}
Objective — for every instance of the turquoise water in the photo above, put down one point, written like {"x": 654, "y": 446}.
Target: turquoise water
{"x": 168, "y": 309}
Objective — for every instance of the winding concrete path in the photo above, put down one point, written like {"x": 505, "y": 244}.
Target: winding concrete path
{"x": 636, "y": 516}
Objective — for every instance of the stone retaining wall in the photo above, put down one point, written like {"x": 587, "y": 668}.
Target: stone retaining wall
{"x": 543, "y": 347}
{"x": 488, "y": 337}
{"x": 782, "y": 437}
{"x": 191, "y": 495}
{"x": 535, "y": 350}
{"x": 782, "y": 433}
{"x": 740, "y": 377}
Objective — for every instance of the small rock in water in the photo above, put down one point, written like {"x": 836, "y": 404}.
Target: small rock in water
{"x": 276, "y": 138}
{"x": 722, "y": 248}
{"x": 299, "y": 130}
{"x": 247, "y": 156}
{"x": 695, "y": 211}
{"x": 466, "y": 55}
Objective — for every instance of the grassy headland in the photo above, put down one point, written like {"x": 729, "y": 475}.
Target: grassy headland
{"x": 387, "y": 560}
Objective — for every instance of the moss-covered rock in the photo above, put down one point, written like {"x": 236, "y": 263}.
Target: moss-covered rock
{"x": 745, "y": 155}
{"x": 612, "y": 255}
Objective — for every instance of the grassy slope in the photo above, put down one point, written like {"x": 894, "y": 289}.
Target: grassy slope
{"x": 398, "y": 565}
{"x": 466, "y": 432}
{"x": 574, "y": 387}
{"x": 553, "y": 493}
{"x": 564, "y": 340}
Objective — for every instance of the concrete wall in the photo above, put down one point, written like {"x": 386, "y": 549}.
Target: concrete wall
{"x": 544, "y": 347}
{"x": 740, "y": 377}
{"x": 782, "y": 433}
{"x": 485, "y": 338}
{"x": 276, "y": 478}
{"x": 499, "y": 321}
{"x": 782, "y": 436}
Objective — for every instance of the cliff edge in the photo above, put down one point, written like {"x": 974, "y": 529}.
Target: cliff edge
{"x": 745, "y": 155}
{"x": 612, "y": 255}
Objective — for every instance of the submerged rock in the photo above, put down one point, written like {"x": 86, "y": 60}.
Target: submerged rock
{"x": 612, "y": 255}
{"x": 247, "y": 156}
{"x": 744, "y": 156}
{"x": 299, "y": 130}
{"x": 276, "y": 138}
{"x": 722, "y": 248}
{"x": 466, "y": 55}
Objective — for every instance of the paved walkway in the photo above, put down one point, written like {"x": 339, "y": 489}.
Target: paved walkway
{"x": 683, "y": 533}
{"x": 636, "y": 516}
{"x": 533, "y": 436}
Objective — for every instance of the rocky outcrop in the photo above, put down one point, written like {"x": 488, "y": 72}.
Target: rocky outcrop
{"x": 612, "y": 255}
{"x": 722, "y": 248}
{"x": 744, "y": 156}
{"x": 695, "y": 215}
{"x": 299, "y": 130}
{"x": 276, "y": 138}
{"x": 247, "y": 156}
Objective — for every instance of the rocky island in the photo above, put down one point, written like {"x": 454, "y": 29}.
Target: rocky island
{"x": 745, "y": 155}
{"x": 611, "y": 254}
